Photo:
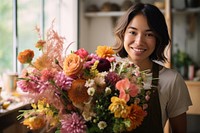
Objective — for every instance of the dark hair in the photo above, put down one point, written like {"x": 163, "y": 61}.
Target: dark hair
{"x": 156, "y": 22}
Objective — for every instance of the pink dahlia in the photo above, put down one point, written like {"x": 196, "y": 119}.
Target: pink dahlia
{"x": 112, "y": 78}
{"x": 73, "y": 123}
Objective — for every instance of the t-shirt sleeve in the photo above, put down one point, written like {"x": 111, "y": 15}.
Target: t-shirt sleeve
{"x": 180, "y": 100}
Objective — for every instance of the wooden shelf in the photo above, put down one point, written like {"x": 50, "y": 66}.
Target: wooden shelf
{"x": 186, "y": 10}
{"x": 104, "y": 14}
{"x": 120, "y": 13}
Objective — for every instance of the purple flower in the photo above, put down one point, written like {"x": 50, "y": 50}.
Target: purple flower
{"x": 73, "y": 123}
{"x": 90, "y": 60}
{"x": 103, "y": 65}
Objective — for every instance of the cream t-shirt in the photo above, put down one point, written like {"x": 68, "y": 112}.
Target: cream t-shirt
{"x": 173, "y": 93}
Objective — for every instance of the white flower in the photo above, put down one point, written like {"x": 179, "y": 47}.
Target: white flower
{"x": 89, "y": 83}
{"x": 91, "y": 91}
{"x": 102, "y": 125}
{"x": 108, "y": 90}
{"x": 100, "y": 81}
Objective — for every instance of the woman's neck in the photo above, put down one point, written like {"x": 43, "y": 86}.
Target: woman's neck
{"x": 144, "y": 65}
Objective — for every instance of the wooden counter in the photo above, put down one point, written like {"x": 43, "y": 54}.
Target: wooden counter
{"x": 10, "y": 117}
{"x": 194, "y": 90}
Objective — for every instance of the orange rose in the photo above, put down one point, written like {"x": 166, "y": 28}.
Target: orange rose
{"x": 26, "y": 56}
{"x": 104, "y": 51}
{"x": 72, "y": 64}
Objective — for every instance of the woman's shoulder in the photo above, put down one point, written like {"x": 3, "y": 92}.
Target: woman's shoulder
{"x": 169, "y": 74}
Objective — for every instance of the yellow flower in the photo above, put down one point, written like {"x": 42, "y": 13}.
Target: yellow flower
{"x": 34, "y": 122}
{"x": 93, "y": 70}
{"x": 25, "y": 56}
{"x": 72, "y": 64}
{"x": 119, "y": 107}
{"x": 54, "y": 121}
{"x": 104, "y": 51}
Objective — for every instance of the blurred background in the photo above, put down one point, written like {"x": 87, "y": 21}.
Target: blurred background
{"x": 89, "y": 23}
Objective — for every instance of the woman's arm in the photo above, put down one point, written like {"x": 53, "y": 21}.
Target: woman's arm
{"x": 179, "y": 123}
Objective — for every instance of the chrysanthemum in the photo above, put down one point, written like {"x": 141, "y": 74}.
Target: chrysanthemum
{"x": 104, "y": 51}
{"x": 27, "y": 86}
{"x": 62, "y": 81}
{"x": 72, "y": 123}
{"x": 118, "y": 107}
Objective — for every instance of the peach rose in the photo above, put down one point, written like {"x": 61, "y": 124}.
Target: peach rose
{"x": 25, "y": 56}
{"x": 72, "y": 64}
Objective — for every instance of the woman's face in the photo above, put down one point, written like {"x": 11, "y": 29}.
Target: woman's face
{"x": 139, "y": 40}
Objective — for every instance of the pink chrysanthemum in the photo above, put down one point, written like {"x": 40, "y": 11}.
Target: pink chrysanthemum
{"x": 73, "y": 123}
{"x": 63, "y": 81}
{"x": 29, "y": 84}
{"x": 26, "y": 86}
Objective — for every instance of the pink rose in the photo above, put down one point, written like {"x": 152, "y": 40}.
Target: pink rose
{"x": 82, "y": 53}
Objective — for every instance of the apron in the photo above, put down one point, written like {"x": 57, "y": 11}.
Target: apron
{"x": 152, "y": 123}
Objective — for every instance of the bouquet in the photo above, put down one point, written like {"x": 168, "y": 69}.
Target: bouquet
{"x": 81, "y": 92}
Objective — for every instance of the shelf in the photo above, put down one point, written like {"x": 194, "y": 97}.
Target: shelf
{"x": 104, "y": 14}
{"x": 120, "y": 13}
{"x": 186, "y": 10}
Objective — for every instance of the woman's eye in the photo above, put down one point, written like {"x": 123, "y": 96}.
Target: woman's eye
{"x": 150, "y": 35}
{"x": 132, "y": 32}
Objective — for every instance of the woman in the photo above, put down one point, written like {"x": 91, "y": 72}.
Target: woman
{"x": 142, "y": 36}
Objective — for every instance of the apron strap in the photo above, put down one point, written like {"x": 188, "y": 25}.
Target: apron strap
{"x": 153, "y": 121}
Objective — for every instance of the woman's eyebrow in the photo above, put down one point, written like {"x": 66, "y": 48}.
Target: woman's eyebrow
{"x": 131, "y": 27}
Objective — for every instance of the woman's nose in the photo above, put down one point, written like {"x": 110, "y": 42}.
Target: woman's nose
{"x": 139, "y": 39}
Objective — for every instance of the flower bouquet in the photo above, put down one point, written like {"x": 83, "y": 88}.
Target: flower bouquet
{"x": 81, "y": 92}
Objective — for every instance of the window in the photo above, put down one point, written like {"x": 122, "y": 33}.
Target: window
{"x": 31, "y": 13}
{"x": 6, "y": 33}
